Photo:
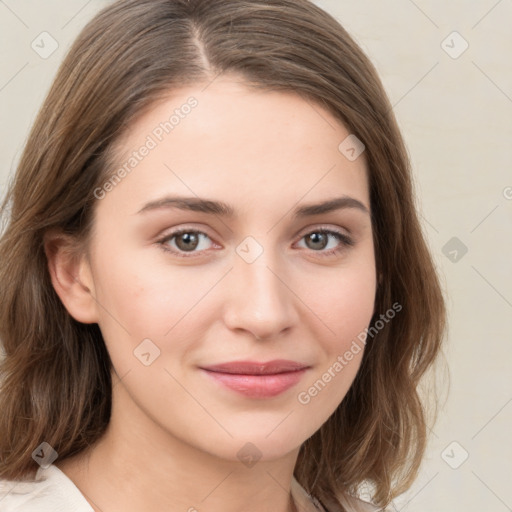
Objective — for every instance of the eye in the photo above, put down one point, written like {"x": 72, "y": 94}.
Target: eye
{"x": 319, "y": 239}
{"x": 185, "y": 241}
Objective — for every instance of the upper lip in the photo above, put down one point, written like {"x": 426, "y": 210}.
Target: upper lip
{"x": 257, "y": 368}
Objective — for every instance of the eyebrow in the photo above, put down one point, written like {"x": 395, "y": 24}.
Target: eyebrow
{"x": 222, "y": 209}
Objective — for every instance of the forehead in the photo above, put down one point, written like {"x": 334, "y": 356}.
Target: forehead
{"x": 231, "y": 142}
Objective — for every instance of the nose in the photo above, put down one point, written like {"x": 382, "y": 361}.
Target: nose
{"x": 261, "y": 299}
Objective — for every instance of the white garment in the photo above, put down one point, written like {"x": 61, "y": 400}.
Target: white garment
{"x": 53, "y": 491}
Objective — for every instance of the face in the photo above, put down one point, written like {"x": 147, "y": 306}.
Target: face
{"x": 181, "y": 286}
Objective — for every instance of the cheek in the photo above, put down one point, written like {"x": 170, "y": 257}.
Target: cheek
{"x": 353, "y": 305}
{"x": 345, "y": 305}
{"x": 140, "y": 299}
{"x": 344, "y": 302}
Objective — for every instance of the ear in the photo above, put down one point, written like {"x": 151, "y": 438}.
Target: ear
{"x": 71, "y": 276}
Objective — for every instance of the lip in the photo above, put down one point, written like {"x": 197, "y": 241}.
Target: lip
{"x": 256, "y": 367}
{"x": 257, "y": 380}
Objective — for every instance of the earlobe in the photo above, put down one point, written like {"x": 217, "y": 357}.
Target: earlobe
{"x": 71, "y": 277}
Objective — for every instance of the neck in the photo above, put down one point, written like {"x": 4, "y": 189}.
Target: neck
{"x": 139, "y": 466}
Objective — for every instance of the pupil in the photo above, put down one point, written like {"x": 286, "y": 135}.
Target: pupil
{"x": 318, "y": 238}
{"x": 187, "y": 238}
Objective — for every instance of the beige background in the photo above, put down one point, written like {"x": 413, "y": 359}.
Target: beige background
{"x": 456, "y": 116}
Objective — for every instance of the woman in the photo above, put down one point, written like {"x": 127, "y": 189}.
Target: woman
{"x": 217, "y": 293}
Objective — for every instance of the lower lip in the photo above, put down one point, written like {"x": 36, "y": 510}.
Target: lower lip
{"x": 258, "y": 386}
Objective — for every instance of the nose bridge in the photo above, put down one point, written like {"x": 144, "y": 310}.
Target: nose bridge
{"x": 260, "y": 301}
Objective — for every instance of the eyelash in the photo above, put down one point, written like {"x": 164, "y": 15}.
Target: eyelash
{"x": 346, "y": 241}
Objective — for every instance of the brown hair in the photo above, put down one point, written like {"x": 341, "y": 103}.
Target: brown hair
{"x": 55, "y": 374}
